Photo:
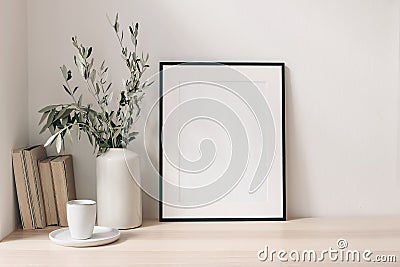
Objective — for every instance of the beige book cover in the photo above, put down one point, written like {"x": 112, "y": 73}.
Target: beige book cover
{"x": 32, "y": 156}
{"x": 22, "y": 187}
{"x": 64, "y": 185}
{"x": 46, "y": 178}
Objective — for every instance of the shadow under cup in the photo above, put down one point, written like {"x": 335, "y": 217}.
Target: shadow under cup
{"x": 81, "y": 216}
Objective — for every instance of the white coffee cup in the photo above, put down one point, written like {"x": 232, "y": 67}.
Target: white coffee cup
{"x": 81, "y": 216}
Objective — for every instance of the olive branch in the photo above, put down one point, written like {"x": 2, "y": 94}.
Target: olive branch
{"x": 104, "y": 127}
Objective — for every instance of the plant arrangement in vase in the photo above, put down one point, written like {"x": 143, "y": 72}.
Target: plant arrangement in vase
{"x": 106, "y": 125}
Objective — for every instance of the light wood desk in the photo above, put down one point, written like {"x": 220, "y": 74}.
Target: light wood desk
{"x": 210, "y": 243}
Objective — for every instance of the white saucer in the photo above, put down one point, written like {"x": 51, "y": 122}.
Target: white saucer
{"x": 101, "y": 236}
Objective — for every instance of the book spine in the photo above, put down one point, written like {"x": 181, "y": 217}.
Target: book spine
{"x": 46, "y": 178}
{"x": 64, "y": 186}
{"x": 22, "y": 190}
{"x": 69, "y": 178}
{"x": 60, "y": 192}
{"x": 28, "y": 189}
{"x": 39, "y": 192}
{"x": 32, "y": 156}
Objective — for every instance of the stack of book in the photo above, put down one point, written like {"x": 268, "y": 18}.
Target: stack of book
{"x": 44, "y": 186}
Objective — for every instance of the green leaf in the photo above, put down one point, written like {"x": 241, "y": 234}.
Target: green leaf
{"x": 81, "y": 59}
{"x": 91, "y": 64}
{"x": 91, "y": 116}
{"x": 58, "y": 114}
{"x": 93, "y": 75}
{"x": 82, "y": 51}
{"x": 77, "y": 132}
{"x": 48, "y": 108}
{"x": 64, "y": 122}
{"x": 64, "y": 72}
{"x": 86, "y": 74}
{"x": 116, "y": 24}
{"x": 97, "y": 88}
{"x": 108, "y": 87}
{"x": 104, "y": 75}
{"x": 89, "y": 52}
{"x": 52, "y": 129}
{"x": 43, "y": 117}
{"x": 51, "y": 139}
{"x": 58, "y": 143}
{"x": 116, "y": 27}
{"x": 66, "y": 89}
{"x": 63, "y": 113}
{"x": 81, "y": 69}
{"x": 80, "y": 101}
{"x": 50, "y": 118}
{"x": 133, "y": 39}
{"x": 79, "y": 62}
{"x": 69, "y": 75}
{"x": 43, "y": 129}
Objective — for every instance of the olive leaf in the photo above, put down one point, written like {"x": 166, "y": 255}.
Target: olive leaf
{"x": 67, "y": 90}
{"x": 51, "y": 139}
{"x": 44, "y": 116}
{"x": 48, "y": 108}
{"x": 58, "y": 143}
{"x": 106, "y": 123}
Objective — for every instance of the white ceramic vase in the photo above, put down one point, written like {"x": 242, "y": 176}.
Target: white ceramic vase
{"x": 119, "y": 199}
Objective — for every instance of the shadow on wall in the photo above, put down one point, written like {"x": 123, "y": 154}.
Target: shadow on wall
{"x": 296, "y": 167}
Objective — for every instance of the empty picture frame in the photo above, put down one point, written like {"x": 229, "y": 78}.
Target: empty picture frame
{"x": 222, "y": 141}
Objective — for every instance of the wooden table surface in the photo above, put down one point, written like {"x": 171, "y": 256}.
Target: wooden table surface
{"x": 212, "y": 243}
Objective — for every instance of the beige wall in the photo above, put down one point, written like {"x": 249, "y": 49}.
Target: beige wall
{"x": 13, "y": 103}
{"x": 342, "y": 85}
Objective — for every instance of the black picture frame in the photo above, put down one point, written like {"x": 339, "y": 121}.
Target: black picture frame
{"x": 162, "y": 64}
